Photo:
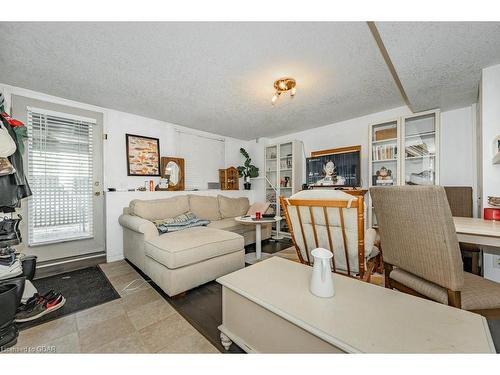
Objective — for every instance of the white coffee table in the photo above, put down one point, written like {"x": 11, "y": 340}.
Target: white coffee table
{"x": 258, "y": 255}
{"x": 268, "y": 308}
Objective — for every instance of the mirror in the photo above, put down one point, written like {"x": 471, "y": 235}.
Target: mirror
{"x": 172, "y": 169}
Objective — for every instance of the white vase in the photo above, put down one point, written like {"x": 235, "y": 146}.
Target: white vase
{"x": 321, "y": 279}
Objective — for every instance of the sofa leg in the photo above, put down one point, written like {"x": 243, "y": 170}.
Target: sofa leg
{"x": 225, "y": 341}
{"x": 180, "y": 295}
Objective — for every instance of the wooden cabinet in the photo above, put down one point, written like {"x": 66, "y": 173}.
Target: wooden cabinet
{"x": 229, "y": 179}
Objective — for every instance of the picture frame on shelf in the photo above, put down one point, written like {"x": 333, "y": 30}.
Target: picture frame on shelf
{"x": 143, "y": 155}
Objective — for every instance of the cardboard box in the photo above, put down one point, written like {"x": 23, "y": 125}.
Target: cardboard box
{"x": 387, "y": 133}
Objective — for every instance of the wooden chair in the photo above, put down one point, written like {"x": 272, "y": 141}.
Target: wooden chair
{"x": 421, "y": 251}
{"x": 333, "y": 220}
{"x": 460, "y": 201}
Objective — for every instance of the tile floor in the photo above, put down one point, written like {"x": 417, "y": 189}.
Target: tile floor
{"x": 139, "y": 322}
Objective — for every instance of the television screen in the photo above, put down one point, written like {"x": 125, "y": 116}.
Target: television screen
{"x": 340, "y": 169}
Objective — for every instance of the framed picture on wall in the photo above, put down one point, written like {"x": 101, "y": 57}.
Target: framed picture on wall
{"x": 143, "y": 155}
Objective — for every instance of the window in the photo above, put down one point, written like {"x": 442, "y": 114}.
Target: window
{"x": 203, "y": 156}
{"x": 60, "y": 175}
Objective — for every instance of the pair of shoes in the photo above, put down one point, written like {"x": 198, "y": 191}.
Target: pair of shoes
{"x": 39, "y": 305}
{"x": 9, "y": 231}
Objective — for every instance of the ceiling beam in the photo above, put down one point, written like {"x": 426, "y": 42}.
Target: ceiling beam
{"x": 388, "y": 61}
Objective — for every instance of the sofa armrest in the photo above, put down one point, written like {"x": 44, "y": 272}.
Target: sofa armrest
{"x": 139, "y": 225}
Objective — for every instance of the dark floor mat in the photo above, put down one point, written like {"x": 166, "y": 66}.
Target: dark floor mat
{"x": 82, "y": 289}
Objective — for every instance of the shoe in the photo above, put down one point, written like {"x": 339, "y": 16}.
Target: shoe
{"x": 9, "y": 231}
{"x": 38, "y": 306}
{"x": 8, "y": 337}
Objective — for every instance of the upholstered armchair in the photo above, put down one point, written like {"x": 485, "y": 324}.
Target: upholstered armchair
{"x": 421, "y": 251}
{"x": 334, "y": 220}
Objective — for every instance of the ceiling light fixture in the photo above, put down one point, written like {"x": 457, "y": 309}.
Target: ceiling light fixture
{"x": 283, "y": 85}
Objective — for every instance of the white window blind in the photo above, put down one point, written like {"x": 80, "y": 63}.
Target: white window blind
{"x": 60, "y": 166}
{"x": 203, "y": 157}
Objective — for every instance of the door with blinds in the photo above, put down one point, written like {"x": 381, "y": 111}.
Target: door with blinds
{"x": 63, "y": 157}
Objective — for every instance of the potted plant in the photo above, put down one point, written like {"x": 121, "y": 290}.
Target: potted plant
{"x": 247, "y": 170}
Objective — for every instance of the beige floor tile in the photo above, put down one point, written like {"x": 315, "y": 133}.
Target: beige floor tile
{"x": 129, "y": 344}
{"x": 161, "y": 334}
{"x": 104, "y": 332}
{"x": 67, "y": 344}
{"x": 129, "y": 283}
{"x": 194, "y": 343}
{"x": 47, "y": 332}
{"x": 139, "y": 299}
{"x": 98, "y": 314}
{"x": 150, "y": 313}
{"x": 114, "y": 270}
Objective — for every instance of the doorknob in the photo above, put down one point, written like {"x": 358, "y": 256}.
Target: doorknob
{"x": 97, "y": 193}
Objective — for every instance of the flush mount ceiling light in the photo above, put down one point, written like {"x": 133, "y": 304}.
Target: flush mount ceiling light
{"x": 283, "y": 85}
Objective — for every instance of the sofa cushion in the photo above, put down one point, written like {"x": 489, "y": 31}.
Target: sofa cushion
{"x": 232, "y": 207}
{"x": 156, "y": 209}
{"x": 204, "y": 207}
{"x": 193, "y": 245}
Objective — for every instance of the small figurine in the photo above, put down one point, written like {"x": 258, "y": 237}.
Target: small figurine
{"x": 384, "y": 174}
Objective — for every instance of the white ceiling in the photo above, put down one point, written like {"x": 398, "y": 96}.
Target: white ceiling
{"x": 439, "y": 63}
{"x": 218, "y": 77}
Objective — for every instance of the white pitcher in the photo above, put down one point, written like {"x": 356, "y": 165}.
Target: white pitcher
{"x": 321, "y": 279}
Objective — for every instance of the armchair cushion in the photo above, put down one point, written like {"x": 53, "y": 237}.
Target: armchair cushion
{"x": 477, "y": 293}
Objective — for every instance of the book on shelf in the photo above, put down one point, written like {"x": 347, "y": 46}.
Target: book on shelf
{"x": 417, "y": 150}
{"x": 384, "y": 182}
{"x": 384, "y": 152}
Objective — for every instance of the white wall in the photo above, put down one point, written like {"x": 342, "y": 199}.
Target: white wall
{"x": 457, "y": 144}
{"x": 490, "y": 121}
{"x": 116, "y": 125}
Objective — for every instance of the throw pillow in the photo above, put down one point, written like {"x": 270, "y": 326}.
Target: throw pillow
{"x": 180, "y": 222}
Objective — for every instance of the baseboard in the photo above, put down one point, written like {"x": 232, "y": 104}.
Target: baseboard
{"x": 55, "y": 267}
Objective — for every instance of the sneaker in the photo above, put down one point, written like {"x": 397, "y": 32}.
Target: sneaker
{"x": 8, "y": 337}
{"x": 38, "y": 306}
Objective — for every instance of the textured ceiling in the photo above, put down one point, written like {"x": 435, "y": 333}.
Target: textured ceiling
{"x": 439, "y": 63}
{"x": 216, "y": 77}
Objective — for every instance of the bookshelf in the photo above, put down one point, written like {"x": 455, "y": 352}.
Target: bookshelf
{"x": 404, "y": 151}
{"x": 283, "y": 169}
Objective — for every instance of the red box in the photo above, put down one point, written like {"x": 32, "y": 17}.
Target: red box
{"x": 491, "y": 214}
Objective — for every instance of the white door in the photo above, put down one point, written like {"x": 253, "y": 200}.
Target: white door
{"x": 64, "y": 218}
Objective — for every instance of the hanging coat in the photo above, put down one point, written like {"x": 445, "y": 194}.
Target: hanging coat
{"x": 13, "y": 187}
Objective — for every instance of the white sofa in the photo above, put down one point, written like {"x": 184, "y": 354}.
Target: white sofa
{"x": 180, "y": 261}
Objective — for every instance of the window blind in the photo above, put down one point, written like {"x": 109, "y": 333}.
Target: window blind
{"x": 203, "y": 156}
{"x": 60, "y": 163}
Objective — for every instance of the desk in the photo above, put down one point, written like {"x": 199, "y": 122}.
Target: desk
{"x": 485, "y": 233}
{"x": 268, "y": 308}
{"x": 478, "y": 231}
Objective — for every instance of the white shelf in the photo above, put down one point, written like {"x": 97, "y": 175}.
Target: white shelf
{"x": 389, "y": 140}
{"x": 420, "y": 157}
{"x": 407, "y": 134}
{"x": 426, "y": 134}
{"x": 384, "y": 160}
